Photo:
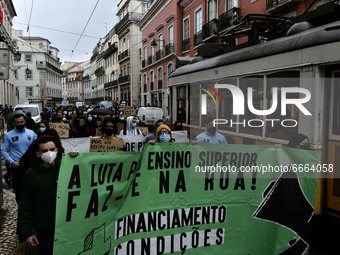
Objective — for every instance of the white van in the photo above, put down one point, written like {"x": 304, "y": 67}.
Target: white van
{"x": 32, "y": 108}
{"x": 150, "y": 115}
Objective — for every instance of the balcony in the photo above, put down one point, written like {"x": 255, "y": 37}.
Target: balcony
{"x": 277, "y": 4}
{"x": 110, "y": 84}
{"x": 159, "y": 55}
{"x": 124, "y": 78}
{"x": 99, "y": 71}
{"x": 123, "y": 55}
{"x": 144, "y": 63}
{"x": 150, "y": 60}
{"x": 186, "y": 44}
{"x": 130, "y": 16}
{"x": 44, "y": 64}
{"x": 110, "y": 50}
{"x": 227, "y": 19}
{"x": 169, "y": 49}
{"x": 198, "y": 38}
{"x": 160, "y": 84}
{"x": 151, "y": 85}
{"x": 210, "y": 29}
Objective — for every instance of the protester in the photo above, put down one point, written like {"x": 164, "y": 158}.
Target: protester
{"x": 30, "y": 123}
{"x": 38, "y": 196}
{"x": 90, "y": 126}
{"x": 25, "y": 160}
{"x": 16, "y": 143}
{"x": 45, "y": 115}
{"x": 211, "y": 135}
{"x": 130, "y": 127}
{"x": 299, "y": 141}
{"x": 109, "y": 129}
{"x": 153, "y": 135}
{"x": 163, "y": 135}
{"x": 42, "y": 126}
{"x": 178, "y": 125}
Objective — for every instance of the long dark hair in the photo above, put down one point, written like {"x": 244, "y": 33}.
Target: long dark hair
{"x": 296, "y": 139}
{"x": 107, "y": 120}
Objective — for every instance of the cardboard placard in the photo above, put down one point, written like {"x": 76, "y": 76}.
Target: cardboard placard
{"x": 144, "y": 129}
{"x": 129, "y": 111}
{"x": 98, "y": 132}
{"x": 105, "y": 145}
{"x": 63, "y": 129}
{"x": 81, "y": 122}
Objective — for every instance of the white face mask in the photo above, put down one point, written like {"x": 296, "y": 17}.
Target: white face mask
{"x": 49, "y": 157}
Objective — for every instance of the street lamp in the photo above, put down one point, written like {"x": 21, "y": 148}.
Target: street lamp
{"x": 154, "y": 43}
{"x": 27, "y": 70}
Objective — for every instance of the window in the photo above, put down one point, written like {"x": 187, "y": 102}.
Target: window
{"x": 181, "y": 101}
{"x": 278, "y": 80}
{"x": 144, "y": 82}
{"x": 186, "y": 29}
{"x": 198, "y": 21}
{"x": 212, "y": 9}
{"x": 28, "y": 74}
{"x": 144, "y": 7}
{"x": 170, "y": 68}
{"x": 29, "y": 92}
{"x": 226, "y": 109}
{"x": 28, "y": 58}
{"x": 257, "y": 85}
{"x": 41, "y": 45}
{"x": 152, "y": 80}
{"x": 145, "y": 51}
{"x": 160, "y": 78}
{"x": 160, "y": 38}
{"x": 16, "y": 74}
{"x": 171, "y": 34}
{"x": 336, "y": 104}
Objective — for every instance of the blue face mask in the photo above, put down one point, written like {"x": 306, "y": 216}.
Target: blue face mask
{"x": 164, "y": 138}
{"x": 133, "y": 125}
{"x": 89, "y": 118}
{"x": 137, "y": 122}
{"x": 42, "y": 129}
{"x": 95, "y": 116}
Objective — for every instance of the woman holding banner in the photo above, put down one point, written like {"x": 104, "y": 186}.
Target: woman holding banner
{"x": 163, "y": 135}
{"x": 109, "y": 129}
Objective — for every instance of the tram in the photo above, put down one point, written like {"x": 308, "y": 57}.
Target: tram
{"x": 308, "y": 59}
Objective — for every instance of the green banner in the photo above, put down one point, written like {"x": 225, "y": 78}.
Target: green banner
{"x": 182, "y": 198}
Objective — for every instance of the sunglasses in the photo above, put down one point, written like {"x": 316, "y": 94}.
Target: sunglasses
{"x": 164, "y": 132}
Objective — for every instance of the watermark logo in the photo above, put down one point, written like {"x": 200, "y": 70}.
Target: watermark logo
{"x": 239, "y": 99}
{"x": 239, "y": 104}
{"x": 204, "y": 97}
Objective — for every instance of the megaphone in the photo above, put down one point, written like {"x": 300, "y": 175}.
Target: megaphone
{"x": 285, "y": 203}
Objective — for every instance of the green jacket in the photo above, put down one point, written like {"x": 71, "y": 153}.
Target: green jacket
{"x": 38, "y": 199}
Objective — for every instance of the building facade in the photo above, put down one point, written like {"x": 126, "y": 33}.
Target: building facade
{"x": 8, "y": 93}
{"x": 111, "y": 67}
{"x": 129, "y": 50}
{"x": 97, "y": 73}
{"x": 160, "y": 46}
{"x": 38, "y": 75}
{"x": 75, "y": 84}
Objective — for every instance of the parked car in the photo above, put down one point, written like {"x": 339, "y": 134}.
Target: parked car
{"x": 34, "y": 109}
{"x": 149, "y": 115}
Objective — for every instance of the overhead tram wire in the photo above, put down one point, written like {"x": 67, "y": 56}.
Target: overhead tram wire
{"x": 57, "y": 30}
{"x": 84, "y": 29}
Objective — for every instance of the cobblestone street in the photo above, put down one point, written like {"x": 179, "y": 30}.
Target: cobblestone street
{"x": 8, "y": 237}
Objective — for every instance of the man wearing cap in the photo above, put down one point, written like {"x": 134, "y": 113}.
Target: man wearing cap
{"x": 16, "y": 143}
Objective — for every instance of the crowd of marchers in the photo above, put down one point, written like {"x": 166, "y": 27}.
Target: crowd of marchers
{"x": 33, "y": 153}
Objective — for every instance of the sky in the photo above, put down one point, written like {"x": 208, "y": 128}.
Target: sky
{"x": 63, "y": 21}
